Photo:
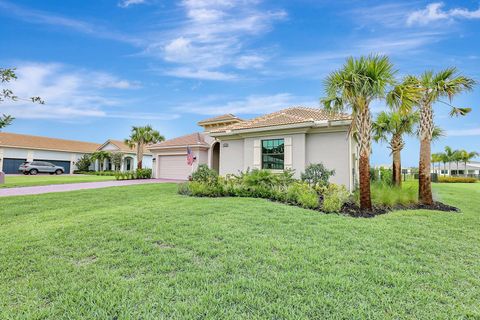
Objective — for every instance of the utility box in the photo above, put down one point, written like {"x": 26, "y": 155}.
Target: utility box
{"x": 2, "y": 177}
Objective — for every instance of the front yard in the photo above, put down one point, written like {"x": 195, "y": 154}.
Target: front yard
{"x": 12, "y": 181}
{"x": 147, "y": 252}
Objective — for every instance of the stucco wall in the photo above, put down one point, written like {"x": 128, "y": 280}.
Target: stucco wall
{"x": 331, "y": 149}
{"x": 231, "y": 156}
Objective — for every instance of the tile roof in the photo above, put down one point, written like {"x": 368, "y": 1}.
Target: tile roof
{"x": 37, "y": 142}
{"x": 194, "y": 139}
{"x": 288, "y": 116}
{"x": 123, "y": 147}
{"x": 225, "y": 117}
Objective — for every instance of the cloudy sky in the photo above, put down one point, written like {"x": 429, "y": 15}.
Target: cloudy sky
{"x": 105, "y": 65}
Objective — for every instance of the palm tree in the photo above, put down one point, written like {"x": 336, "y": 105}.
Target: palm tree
{"x": 140, "y": 137}
{"x": 449, "y": 156}
{"x": 354, "y": 87}
{"x": 466, "y": 156}
{"x": 390, "y": 127}
{"x": 101, "y": 156}
{"x": 457, "y": 157}
{"x": 435, "y": 86}
{"x": 436, "y": 158}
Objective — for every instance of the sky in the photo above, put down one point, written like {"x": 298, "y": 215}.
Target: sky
{"x": 103, "y": 66}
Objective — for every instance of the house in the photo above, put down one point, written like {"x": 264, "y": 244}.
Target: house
{"x": 17, "y": 148}
{"x": 457, "y": 169}
{"x": 287, "y": 139}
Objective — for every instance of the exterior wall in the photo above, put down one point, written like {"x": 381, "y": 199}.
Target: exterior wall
{"x": 332, "y": 149}
{"x": 232, "y": 156}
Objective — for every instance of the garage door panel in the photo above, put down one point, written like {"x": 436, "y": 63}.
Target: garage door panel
{"x": 10, "y": 165}
{"x": 173, "y": 167}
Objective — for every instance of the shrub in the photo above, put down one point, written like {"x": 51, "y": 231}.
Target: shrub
{"x": 334, "y": 197}
{"x": 83, "y": 164}
{"x": 143, "y": 173}
{"x": 184, "y": 189}
{"x": 303, "y": 194}
{"x": 205, "y": 174}
{"x": 259, "y": 178}
{"x": 202, "y": 189}
{"x": 386, "y": 195}
{"x": 456, "y": 180}
{"x": 317, "y": 174}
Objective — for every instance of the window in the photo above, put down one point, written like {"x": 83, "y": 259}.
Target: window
{"x": 273, "y": 154}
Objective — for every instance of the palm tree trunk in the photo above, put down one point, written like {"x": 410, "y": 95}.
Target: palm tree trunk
{"x": 426, "y": 130}
{"x": 364, "y": 127}
{"x": 139, "y": 155}
{"x": 397, "y": 169}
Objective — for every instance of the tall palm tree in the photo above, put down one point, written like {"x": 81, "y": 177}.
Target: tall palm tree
{"x": 457, "y": 157}
{"x": 354, "y": 87}
{"x": 436, "y": 158}
{"x": 390, "y": 127}
{"x": 435, "y": 86}
{"x": 140, "y": 137}
{"x": 466, "y": 156}
{"x": 449, "y": 156}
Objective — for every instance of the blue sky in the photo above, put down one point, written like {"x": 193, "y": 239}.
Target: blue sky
{"x": 105, "y": 65}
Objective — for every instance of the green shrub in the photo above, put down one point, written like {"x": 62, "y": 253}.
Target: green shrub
{"x": 83, "y": 164}
{"x": 259, "y": 178}
{"x": 303, "y": 194}
{"x": 456, "y": 180}
{"x": 205, "y": 174}
{"x": 386, "y": 195}
{"x": 334, "y": 197}
{"x": 143, "y": 173}
{"x": 317, "y": 175}
{"x": 184, "y": 189}
{"x": 202, "y": 189}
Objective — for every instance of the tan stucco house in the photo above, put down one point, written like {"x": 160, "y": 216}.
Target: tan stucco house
{"x": 16, "y": 148}
{"x": 287, "y": 139}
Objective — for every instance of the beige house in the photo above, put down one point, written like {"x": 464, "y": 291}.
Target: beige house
{"x": 288, "y": 139}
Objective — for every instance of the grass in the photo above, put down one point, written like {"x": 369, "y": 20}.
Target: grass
{"x": 145, "y": 252}
{"x": 42, "y": 180}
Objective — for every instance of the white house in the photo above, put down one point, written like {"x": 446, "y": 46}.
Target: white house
{"x": 288, "y": 139}
{"x": 17, "y": 148}
{"x": 457, "y": 169}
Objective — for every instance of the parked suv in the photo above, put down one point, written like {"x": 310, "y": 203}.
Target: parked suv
{"x": 34, "y": 167}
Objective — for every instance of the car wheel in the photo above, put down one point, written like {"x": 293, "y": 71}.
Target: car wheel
{"x": 33, "y": 172}
{"x": 58, "y": 171}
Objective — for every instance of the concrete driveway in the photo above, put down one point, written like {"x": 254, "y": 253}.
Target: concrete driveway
{"x": 23, "y": 191}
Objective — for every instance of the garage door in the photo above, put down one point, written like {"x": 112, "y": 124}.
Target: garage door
{"x": 64, "y": 164}
{"x": 173, "y": 167}
{"x": 11, "y": 165}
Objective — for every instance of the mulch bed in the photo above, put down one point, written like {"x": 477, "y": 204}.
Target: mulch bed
{"x": 353, "y": 210}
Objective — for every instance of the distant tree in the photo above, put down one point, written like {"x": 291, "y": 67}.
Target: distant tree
{"x": 7, "y": 75}
{"x": 101, "y": 156}
{"x": 140, "y": 137}
{"x": 116, "y": 158}
{"x": 390, "y": 127}
{"x": 466, "y": 156}
{"x": 83, "y": 164}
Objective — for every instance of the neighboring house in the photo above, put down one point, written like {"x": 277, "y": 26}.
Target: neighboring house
{"x": 17, "y": 148}
{"x": 288, "y": 139}
{"x": 450, "y": 169}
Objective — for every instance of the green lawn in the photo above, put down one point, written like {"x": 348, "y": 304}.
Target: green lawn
{"x": 144, "y": 252}
{"x": 42, "y": 180}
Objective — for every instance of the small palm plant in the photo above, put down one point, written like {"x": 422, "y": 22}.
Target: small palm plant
{"x": 140, "y": 137}
{"x": 101, "y": 156}
{"x": 435, "y": 86}
{"x": 390, "y": 127}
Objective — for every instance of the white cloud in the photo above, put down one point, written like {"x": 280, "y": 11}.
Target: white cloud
{"x": 127, "y": 3}
{"x": 255, "y": 104}
{"x": 46, "y": 18}
{"x": 464, "y": 132}
{"x": 434, "y": 12}
{"x": 69, "y": 94}
{"x": 213, "y": 38}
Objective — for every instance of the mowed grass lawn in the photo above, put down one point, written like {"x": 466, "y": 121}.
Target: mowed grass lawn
{"x": 144, "y": 252}
{"x": 12, "y": 181}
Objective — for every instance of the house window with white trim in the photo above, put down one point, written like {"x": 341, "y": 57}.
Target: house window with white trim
{"x": 273, "y": 154}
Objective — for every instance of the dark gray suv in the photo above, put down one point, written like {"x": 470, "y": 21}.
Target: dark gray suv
{"x": 35, "y": 167}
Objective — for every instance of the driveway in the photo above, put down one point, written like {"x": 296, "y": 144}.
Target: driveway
{"x": 23, "y": 191}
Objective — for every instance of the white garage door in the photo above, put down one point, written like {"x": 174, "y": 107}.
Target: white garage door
{"x": 173, "y": 167}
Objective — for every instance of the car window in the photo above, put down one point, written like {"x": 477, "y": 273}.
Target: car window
{"x": 48, "y": 164}
{"x": 35, "y": 163}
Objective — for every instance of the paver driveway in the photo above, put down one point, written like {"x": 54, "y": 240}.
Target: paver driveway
{"x": 21, "y": 191}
